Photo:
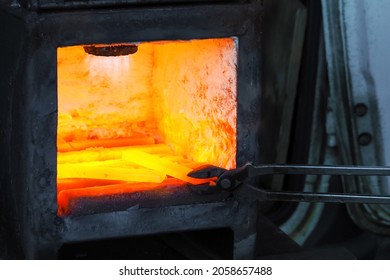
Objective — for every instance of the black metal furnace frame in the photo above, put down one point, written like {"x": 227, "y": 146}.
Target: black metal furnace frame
{"x": 28, "y": 87}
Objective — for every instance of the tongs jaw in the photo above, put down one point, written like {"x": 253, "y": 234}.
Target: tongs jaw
{"x": 226, "y": 179}
{"x": 231, "y": 180}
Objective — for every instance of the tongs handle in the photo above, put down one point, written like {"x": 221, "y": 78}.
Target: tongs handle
{"x": 233, "y": 178}
{"x": 267, "y": 195}
{"x": 257, "y": 170}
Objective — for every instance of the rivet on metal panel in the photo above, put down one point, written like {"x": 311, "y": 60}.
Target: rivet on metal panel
{"x": 364, "y": 139}
{"x": 360, "y": 109}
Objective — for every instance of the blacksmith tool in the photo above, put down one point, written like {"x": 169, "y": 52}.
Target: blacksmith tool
{"x": 235, "y": 181}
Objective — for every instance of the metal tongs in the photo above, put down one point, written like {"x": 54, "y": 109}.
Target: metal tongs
{"x": 234, "y": 181}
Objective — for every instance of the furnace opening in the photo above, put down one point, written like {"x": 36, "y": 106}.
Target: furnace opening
{"x": 141, "y": 121}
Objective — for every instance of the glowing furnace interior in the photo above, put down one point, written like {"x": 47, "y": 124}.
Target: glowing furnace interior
{"x": 134, "y": 122}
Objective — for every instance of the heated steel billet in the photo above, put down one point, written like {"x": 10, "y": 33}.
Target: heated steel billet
{"x": 159, "y": 164}
{"x": 103, "y": 154}
{"x": 80, "y": 145}
{"x": 78, "y": 170}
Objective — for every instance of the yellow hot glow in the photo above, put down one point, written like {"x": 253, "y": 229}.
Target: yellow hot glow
{"x": 195, "y": 84}
{"x": 85, "y": 170}
{"x": 173, "y": 100}
{"x": 162, "y": 165}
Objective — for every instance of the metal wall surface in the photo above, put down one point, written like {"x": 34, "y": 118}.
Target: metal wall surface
{"x": 356, "y": 42}
{"x": 377, "y": 33}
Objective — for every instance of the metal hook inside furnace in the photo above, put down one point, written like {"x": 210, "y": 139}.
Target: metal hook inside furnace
{"x": 111, "y": 50}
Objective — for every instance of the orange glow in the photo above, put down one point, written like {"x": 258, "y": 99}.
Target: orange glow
{"x": 104, "y": 154}
{"x": 66, "y": 197}
{"x": 136, "y": 122}
{"x": 84, "y": 170}
{"x": 120, "y": 142}
{"x": 161, "y": 165}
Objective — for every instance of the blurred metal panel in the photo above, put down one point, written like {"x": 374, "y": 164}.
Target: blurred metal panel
{"x": 355, "y": 38}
